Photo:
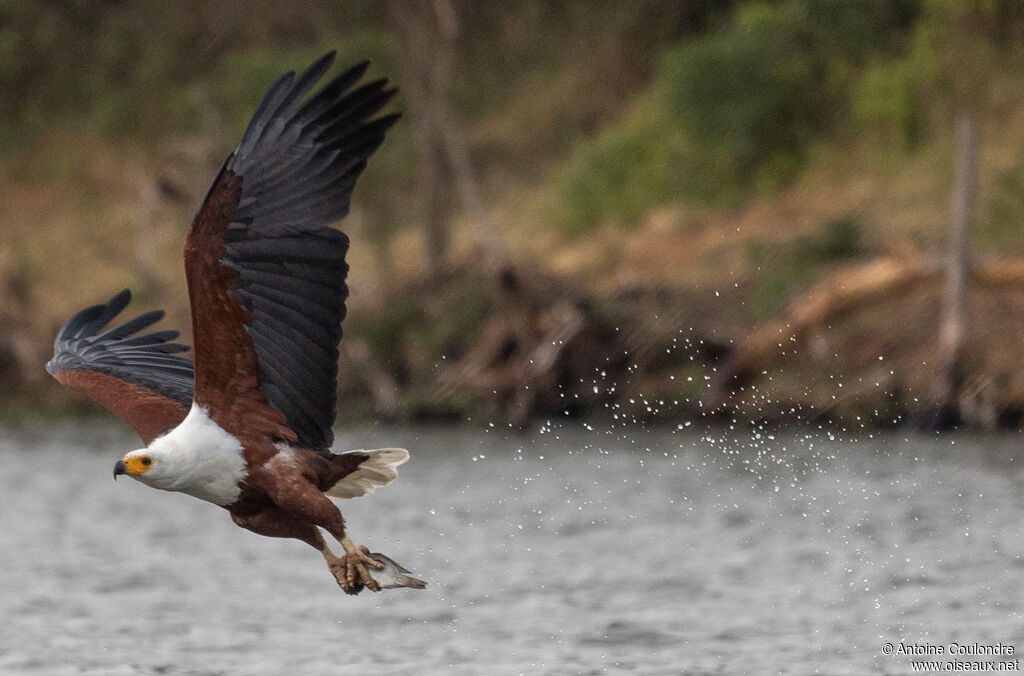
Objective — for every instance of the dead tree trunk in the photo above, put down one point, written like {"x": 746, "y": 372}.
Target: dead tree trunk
{"x": 953, "y": 329}
{"x": 424, "y": 57}
{"x": 429, "y": 30}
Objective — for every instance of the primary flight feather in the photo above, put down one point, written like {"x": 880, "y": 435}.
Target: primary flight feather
{"x": 247, "y": 424}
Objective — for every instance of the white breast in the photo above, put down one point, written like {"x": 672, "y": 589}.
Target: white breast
{"x": 198, "y": 457}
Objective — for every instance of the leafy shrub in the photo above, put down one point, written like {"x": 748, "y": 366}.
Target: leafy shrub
{"x": 887, "y": 99}
{"x": 956, "y": 57}
{"x": 756, "y": 91}
{"x": 732, "y": 111}
{"x": 617, "y": 175}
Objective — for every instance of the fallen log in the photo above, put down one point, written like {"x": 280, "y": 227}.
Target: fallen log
{"x": 839, "y": 294}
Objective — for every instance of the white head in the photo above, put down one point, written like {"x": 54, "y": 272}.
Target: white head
{"x": 152, "y": 466}
{"x": 197, "y": 457}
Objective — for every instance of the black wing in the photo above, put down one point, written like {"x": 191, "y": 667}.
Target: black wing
{"x": 139, "y": 377}
{"x": 270, "y": 209}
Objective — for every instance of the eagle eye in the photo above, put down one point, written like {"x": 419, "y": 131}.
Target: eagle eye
{"x": 147, "y": 461}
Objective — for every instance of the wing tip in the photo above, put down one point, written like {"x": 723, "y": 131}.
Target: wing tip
{"x": 85, "y": 344}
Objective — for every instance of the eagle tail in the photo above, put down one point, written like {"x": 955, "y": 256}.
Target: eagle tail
{"x": 379, "y": 469}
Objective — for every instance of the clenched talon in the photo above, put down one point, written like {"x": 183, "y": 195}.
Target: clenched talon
{"x": 350, "y": 570}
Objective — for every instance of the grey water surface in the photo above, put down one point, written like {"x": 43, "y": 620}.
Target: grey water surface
{"x": 567, "y": 550}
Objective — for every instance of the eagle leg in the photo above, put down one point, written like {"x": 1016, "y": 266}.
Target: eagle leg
{"x": 300, "y": 499}
{"x": 350, "y": 570}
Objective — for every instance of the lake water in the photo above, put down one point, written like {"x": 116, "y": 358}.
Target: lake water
{"x": 566, "y": 550}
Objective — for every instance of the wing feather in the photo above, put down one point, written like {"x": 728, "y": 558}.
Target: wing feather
{"x": 266, "y": 272}
{"x": 139, "y": 378}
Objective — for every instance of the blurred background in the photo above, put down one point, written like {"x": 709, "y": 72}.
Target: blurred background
{"x": 655, "y": 210}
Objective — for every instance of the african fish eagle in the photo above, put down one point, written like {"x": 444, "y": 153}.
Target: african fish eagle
{"x": 247, "y": 424}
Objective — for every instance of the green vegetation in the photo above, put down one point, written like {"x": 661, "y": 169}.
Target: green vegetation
{"x": 735, "y": 111}
{"x": 723, "y": 155}
{"x": 783, "y": 268}
{"x": 730, "y": 98}
{"x": 620, "y": 174}
{"x": 131, "y": 69}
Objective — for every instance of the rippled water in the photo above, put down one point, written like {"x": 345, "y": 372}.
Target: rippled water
{"x": 565, "y": 551}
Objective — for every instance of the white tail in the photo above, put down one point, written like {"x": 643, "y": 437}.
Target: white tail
{"x": 377, "y": 470}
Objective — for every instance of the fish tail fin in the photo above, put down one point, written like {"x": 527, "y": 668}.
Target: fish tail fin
{"x": 393, "y": 575}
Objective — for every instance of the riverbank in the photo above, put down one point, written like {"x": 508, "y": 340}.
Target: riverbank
{"x": 513, "y": 344}
{"x": 558, "y": 230}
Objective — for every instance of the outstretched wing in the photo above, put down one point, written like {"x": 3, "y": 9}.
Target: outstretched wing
{"x": 138, "y": 377}
{"x": 266, "y": 273}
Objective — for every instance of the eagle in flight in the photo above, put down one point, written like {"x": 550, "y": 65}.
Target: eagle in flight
{"x": 247, "y": 424}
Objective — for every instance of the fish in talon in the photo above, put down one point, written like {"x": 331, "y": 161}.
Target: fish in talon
{"x": 393, "y": 575}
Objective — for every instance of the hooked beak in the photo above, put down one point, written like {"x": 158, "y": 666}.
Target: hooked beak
{"x": 120, "y": 468}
